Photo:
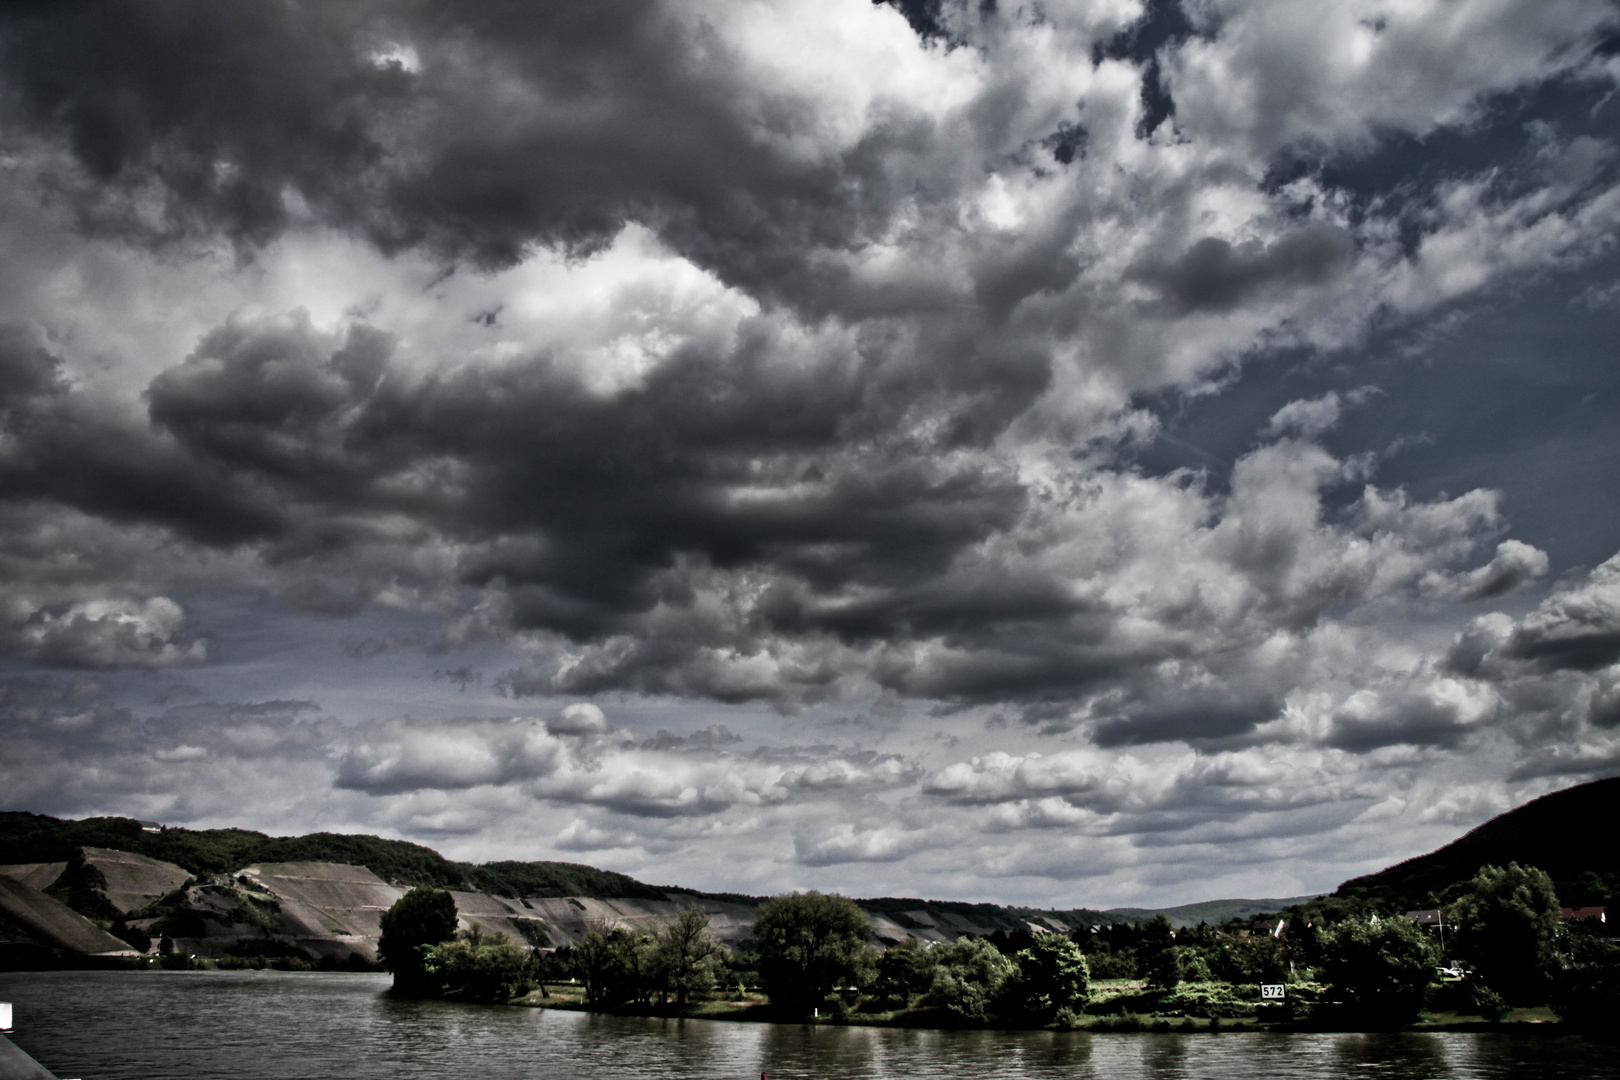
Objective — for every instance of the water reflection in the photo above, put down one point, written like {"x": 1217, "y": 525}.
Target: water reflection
{"x": 279, "y": 1026}
{"x": 1166, "y": 1056}
{"x": 1396, "y": 1055}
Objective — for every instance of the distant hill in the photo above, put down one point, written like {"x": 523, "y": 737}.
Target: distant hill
{"x": 1569, "y": 834}
{"x": 1213, "y": 912}
{"x": 37, "y": 838}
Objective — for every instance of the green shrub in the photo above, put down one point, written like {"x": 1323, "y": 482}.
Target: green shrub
{"x": 1382, "y": 969}
{"x": 1586, "y": 988}
{"x": 902, "y": 971}
{"x": 478, "y": 967}
{"x": 968, "y": 978}
{"x": 1112, "y": 964}
{"x": 1050, "y": 975}
{"x": 1487, "y": 1002}
{"x": 1209, "y": 999}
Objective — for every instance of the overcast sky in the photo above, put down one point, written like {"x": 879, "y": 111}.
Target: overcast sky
{"x": 1073, "y": 453}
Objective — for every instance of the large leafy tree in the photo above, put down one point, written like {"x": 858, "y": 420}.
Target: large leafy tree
{"x": 688, "y": 956}
{"x": 1156, "y": 956}
{"x": 616, "y": 964}
{"x": 1507, "y": 925}
{"x": 969, "y": 977}
{"x": 421, "y": 918}
{"x": 1052, "y": 975}
{"x": 810, "y": 943}
{"x": 1382, "y": 968}
{"x": 902, "y": 971}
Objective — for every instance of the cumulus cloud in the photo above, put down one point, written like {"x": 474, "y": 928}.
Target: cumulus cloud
{"x": 1575, "y": 628}
{"x": 794, "y": 355}
{"x": 583, "y": 760}
{"x": 1514, "y": 565}
{"x": 108, "y": 633}
{"x": 847, "y": 844}
{"x": 580, "y": 719}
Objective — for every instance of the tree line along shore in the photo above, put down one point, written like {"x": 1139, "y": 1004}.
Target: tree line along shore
{"x": 1322, "y": 965}
{"x": 1491, "y": 945}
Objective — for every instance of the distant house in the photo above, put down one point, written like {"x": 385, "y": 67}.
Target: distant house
{"x": 149, "y": 826}
{"x": 1269, "y": 927}
{"x": 1581, "y": 914}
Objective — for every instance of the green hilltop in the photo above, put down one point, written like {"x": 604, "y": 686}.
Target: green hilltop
{"x": 1569, "y": 834}
{"x": 27, "y": 838}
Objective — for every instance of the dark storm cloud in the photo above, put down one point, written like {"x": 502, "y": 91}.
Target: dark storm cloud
{"x": 505, "y": 126}
{"x": 74, "y": 449}
{"x": 760, "y": 521}
{"x": 222, "y": 106}
{"x": 28, "y": 370}
{"x": 1195, "y": 719}
{"x": 862, "y": 477}
{"x": 630, "y": 477}
{"x": 1574, "y": 630}
{"x": 571, "y": 501}
{"x": 1412, "y": 719}
{"x": 1572, "y": 636}
{"x": 1215, "y": 275}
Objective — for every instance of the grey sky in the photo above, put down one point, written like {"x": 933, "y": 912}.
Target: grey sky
{"x": 1080, "y": 455}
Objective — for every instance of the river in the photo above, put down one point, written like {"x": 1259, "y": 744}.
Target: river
{"x": 220, "y": 1025}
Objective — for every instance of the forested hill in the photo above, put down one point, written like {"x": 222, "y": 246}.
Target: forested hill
{"x": 34, "y": 838}
{"x": 1569, "y": 834}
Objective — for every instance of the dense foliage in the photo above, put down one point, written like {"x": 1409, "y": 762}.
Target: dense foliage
{"x": 1381, "y": 968}
{"x": 420, "y": 919}
{"x": 969, "y": 976}
{"x": 675, "y": 957}
{"x": 474, "y": 966}
{"x": 810, "y": 943}
{"x": 1507, "y": 923}
{"x": 903, "y": 971}
{"x": 1157, "y": 961}
{"x": 1051, "y": 976}
{"x": 1586, "y": 985}
{"x": 689, "y": 959}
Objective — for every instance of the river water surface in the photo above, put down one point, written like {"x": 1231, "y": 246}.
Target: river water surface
{"x": 219, "y": 1025}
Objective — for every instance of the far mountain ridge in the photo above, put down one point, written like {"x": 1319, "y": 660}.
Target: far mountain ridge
{"x": 38, "y": 838}
{"x": 82, "y": 864}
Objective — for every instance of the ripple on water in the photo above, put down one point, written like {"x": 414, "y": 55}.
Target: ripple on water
{"x": 250, "y": 1025}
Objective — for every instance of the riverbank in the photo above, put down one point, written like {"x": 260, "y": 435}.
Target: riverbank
{"x": 1118, "y": 1006}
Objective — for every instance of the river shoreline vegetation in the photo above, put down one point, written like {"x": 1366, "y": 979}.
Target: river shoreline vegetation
{"x": 1340, "y": 967}
{"x": 1489, "y": 945}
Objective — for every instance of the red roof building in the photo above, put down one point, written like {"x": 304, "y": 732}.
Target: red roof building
{"x": 1579, "y": 914}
